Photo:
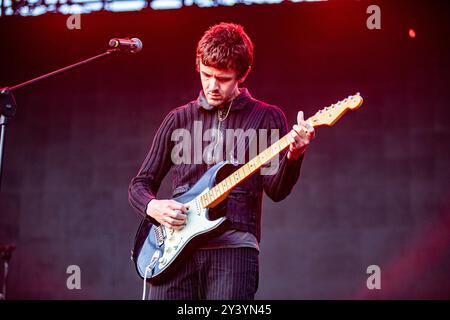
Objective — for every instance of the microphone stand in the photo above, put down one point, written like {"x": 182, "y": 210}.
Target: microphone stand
{"x": 5, "y": 256}
{"x": 8, "y": 106}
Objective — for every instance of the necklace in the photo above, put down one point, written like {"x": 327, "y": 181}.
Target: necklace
{"x": 221, "y": 118}
{"x": 220, "y": 113}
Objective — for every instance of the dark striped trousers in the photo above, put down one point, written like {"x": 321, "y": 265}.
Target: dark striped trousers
{"x": 213, "y": 274}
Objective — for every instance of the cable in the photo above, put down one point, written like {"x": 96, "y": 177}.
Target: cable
{"x": 147, "y": 269}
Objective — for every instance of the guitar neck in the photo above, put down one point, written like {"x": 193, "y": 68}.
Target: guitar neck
{"x": 218, "y": 193}
{"x": 325, "y": 117}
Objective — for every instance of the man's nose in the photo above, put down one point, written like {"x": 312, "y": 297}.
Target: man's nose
{"x": 213, "y": 84}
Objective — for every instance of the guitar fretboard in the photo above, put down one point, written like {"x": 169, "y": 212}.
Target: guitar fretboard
{"x": 218, "y": 193}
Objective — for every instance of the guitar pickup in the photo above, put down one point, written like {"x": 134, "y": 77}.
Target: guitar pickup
{"x": 160, "y": 235}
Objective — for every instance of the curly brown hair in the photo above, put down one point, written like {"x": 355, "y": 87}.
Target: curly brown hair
{"x": 226, "y": 46}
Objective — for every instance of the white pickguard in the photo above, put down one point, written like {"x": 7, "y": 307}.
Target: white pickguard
{"x": 197, "y": 223}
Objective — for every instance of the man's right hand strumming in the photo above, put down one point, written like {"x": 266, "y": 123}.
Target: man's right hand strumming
{"x": 168, "y": 213}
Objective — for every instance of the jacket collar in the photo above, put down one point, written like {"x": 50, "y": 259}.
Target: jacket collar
{"x": 238, "y": 103}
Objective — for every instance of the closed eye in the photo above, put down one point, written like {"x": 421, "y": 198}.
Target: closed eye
{"x": 206, "y": 75}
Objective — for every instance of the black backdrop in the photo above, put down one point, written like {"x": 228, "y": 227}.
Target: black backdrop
{"x": 373, "y": 188}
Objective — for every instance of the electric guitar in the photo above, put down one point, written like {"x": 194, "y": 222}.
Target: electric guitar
{"x": 158, "y": 250}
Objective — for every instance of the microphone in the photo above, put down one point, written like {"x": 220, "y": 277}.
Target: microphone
{"x": 132, "y": 45}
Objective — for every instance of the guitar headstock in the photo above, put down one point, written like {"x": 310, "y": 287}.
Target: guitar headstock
{"x": 330, "y": 115}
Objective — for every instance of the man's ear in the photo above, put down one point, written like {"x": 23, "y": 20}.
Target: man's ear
{"x": 241, "y": 80}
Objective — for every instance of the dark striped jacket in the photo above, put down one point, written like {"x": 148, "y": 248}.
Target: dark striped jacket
{"x": 244, "y": 202}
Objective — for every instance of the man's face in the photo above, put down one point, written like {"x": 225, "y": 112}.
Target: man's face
{"x": 219, "y": 86}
